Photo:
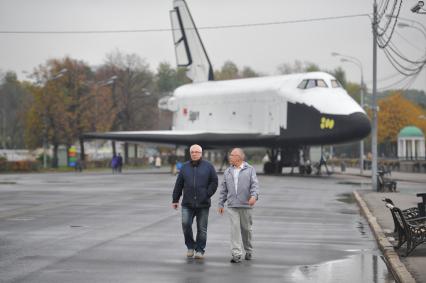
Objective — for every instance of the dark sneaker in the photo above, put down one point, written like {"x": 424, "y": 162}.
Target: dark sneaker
{"x": 190, "y": 253}
{"x": 199, "y": 255}
{"x": 248, "y": 256}
{"x": 236, "y": 259}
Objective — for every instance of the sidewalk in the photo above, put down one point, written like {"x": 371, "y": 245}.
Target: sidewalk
{"x": 397, "y": 176}
{"x": 380, "y": 220}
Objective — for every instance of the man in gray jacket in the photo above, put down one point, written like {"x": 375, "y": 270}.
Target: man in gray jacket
{"x": 240, "y": 189}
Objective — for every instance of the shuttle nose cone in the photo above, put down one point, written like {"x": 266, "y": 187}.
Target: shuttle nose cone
{"x": 358, "y": 126}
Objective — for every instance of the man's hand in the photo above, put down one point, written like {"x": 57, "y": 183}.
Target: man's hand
{"x": 252, "y": 201}
{"x": 221, "y": 210}
{"x": 175, "y": 205}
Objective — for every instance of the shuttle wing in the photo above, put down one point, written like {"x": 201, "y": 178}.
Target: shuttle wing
{"x": 206, "y": 139}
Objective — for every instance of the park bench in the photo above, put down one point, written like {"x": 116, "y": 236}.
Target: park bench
{"x": 384, "y": 183}
{"x": 411, "y": 231}
{"x": 409, "y": 213}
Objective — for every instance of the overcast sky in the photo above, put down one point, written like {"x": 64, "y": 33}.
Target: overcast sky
{"x": 263, "y": 48}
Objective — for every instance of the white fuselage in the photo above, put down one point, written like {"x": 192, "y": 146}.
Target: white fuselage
{"x": 255, "y": 105}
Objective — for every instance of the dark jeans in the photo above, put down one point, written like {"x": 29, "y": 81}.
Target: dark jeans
{"x": 202, "y": 215}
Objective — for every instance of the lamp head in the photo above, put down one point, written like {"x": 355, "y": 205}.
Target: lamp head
{"x": 418, "y": 7}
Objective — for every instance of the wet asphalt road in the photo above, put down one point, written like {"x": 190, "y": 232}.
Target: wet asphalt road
{"x": 98, "y": 227}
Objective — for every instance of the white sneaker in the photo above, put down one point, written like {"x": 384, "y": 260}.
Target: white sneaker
{"x": 190, "y": 253}
{"x": 199, "y": 255}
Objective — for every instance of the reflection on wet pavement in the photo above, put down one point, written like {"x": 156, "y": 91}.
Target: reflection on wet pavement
{"x": 356, "y": 268}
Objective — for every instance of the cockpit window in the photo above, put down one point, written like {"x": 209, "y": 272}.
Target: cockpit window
{"x": 321, "y": 83}
{"x": 335, "y": 84}
{"x": 302, "y": 84}
{"x": 311, "y": 83}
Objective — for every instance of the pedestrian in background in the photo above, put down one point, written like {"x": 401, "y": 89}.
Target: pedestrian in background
{"x": 157, "y": 162}
{"x": 172, "y": 162}
{"x": 119, "y": 163}
{"x": 114, "y": 164}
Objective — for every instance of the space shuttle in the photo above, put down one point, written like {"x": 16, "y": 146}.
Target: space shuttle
{"x": 284, "y": 114}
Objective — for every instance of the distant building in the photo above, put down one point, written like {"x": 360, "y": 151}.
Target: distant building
{"x": 411, "y": 144}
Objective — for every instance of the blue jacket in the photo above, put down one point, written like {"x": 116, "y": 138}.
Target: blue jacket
{"x": 197, "y": 183}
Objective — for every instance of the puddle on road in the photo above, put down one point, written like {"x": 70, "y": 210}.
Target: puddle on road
{"x": 346, "y": 198}
{"x": 7, "y": 183}
{"x": 58, "y": 182}
{"x": 354, "y": 269}
{"x": 361, "y": 228}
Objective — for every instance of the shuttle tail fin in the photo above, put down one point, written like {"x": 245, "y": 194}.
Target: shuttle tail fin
{"x": 189, "y": 48}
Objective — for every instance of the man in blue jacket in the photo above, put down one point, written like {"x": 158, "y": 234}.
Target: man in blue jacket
{"x": 197, "y": 180}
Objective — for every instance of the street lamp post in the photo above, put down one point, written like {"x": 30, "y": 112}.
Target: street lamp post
{"x": 374, "y": 103}
{"x": 357, "y": 62}
{"x": 110, "y": 81}
{"x": 45, "y": 132}
{"x": 3, "y": 119}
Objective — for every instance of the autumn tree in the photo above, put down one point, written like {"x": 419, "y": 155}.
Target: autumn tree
{"x": 248, "y": 72}
{"x": 34, "y": 128}
{"x": 230, "y": 71}
{"x": 45, "y": 123}
{"x": 76, "y": 86}
{"x": 61, "y": 98}
{"x": 12, "y": 97}
{"x": 340, "y": 75}
{"x": 297, "y": 67}
{"x": 354, "y": 90}
{"x": 395, "y": 113}
{"x": 133, "y": 103}
{"x": 166, "y": 80}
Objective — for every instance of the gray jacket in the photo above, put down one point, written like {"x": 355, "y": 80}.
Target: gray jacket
{"x": 248, "y": 186}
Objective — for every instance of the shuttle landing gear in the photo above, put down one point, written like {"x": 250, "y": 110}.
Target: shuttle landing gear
{"x": 305, "y": 169}
{"x": 287, "y": 157}
{"x": 273, "y": 166}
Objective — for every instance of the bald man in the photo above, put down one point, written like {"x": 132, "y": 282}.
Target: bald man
{"x": 197, "y": 181}
{"x": 240, "y": 189}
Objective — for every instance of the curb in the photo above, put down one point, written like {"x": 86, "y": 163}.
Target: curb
{"x": 398, "y": 269}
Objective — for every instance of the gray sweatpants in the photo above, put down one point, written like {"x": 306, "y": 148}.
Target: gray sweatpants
{"x": 241, "y": 230}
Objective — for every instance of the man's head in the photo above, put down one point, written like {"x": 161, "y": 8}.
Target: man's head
{"x": 196, "y": 152}
{"x": 236, "y": 157}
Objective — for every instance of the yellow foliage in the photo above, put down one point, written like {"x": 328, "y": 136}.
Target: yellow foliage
{"x": 395, "y": 113}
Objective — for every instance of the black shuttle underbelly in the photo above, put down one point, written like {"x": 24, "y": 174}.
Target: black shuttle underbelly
{"x": 306, "y": 125}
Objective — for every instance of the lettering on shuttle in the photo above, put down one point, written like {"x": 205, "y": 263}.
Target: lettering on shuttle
{"x": 326, "y": 123}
